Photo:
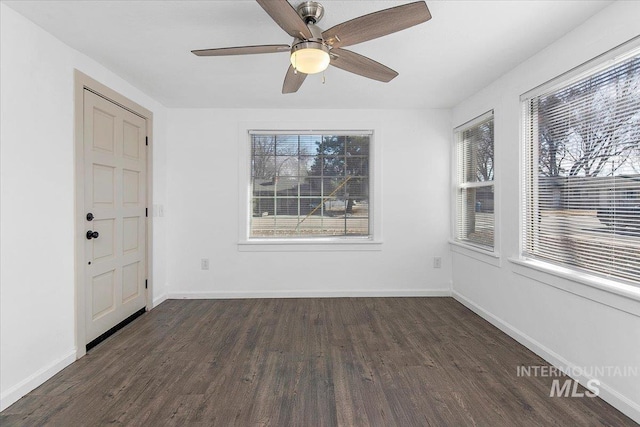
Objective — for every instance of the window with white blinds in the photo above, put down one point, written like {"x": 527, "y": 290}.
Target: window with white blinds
{"x": 309, "y": 185}
{"x": 475, "y": 187}
{"x": 582, "y": 174}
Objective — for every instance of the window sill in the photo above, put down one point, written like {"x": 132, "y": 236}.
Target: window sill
{"x": 475, "y": 252}
{"x": 609, "y": 292}
{"x": 308, "y": 245}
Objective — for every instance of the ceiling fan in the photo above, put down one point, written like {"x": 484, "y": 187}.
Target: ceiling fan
{"x": 314, "y": 49}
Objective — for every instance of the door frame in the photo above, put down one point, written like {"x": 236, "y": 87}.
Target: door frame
{"x": 82, "y": 82}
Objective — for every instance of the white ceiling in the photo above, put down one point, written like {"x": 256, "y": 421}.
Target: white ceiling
{"x": 466, "y": 45}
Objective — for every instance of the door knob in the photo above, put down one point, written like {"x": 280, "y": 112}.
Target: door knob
{"x": 92, "y": 235}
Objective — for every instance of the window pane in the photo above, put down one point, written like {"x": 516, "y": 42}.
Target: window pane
{"x": 287, "y": 145}
{"x": 333, "y": 166}
{"x": 263, "y": 167}
{"x": 309, "y": 144}
{"x": 582, "y": 206}
{"x": 357, "y": 166}
{"x": 306, "y": 164}
{"x": 477, "y": 224}
{"x": 477, "y": 150}
{"x": 286, "y": 165}
{"x": 332, "y": 145}
{"x": 310, "y": 185}
{"x": 263, "y": 145}
{"x": 357, "y": 226}
{"x": 358, "y": 145}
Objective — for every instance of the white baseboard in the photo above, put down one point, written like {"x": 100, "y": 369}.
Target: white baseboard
{"x": 13, "y": 394}
{"x": 311, "y": 294}
{"x": 159, "y": 300}
{"x": 608, "y": 394}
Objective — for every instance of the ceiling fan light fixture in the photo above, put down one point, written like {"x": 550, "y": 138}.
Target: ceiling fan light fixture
{"x": 310, "y": 57}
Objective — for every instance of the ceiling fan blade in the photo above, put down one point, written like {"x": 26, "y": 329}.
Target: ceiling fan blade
{"x": 293, "y": 80}
{"x": 242, "y": 50}
{"x": 377, "y": 24}
{"x": 286, "y": 16}
{"x": 361, "y": 65}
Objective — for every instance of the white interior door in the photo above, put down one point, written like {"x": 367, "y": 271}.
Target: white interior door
{"x": 115, "y": 209}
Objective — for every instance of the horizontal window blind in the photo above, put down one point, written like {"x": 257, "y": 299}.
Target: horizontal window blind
{"x": 474, "y": 194}
{"x": 582, "y": 172}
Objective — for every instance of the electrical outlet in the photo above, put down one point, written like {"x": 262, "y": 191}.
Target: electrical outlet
{"x": 204, "y": 264}
{"x": 437, "y": 262}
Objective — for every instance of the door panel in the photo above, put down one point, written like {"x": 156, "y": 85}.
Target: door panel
{"x": 103, "y": 185}
{"x": 131, "y": 136}
{"x": 130, "y": 279}
{"x": 102, "y": 288}
{"x": 104, "y": 247}
{"x": 130, "y": 235}
{"x": 115, "y": 193}
{"x": 130, "y": 188}
{"x": 103, "y": 128}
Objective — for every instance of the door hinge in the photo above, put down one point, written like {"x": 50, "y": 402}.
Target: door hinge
{"x": 146, "y": 140}
{"x": 146, "y": 212}
{"x": 146, "y": 284}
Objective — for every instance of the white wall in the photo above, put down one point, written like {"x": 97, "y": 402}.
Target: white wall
{"x": 37, "y": 200}
{"x": 204, "y": 216}
{"x": 594, "y": 328}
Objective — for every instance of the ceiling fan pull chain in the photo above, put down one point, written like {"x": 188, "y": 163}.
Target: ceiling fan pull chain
{"x": 323, "y": 78}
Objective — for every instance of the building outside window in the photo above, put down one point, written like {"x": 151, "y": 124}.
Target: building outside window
{"x": 475, "y": 219}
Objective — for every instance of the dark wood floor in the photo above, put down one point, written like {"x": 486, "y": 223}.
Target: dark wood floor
{"x": 306, "y": 362}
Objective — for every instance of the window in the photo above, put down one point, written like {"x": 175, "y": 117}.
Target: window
{"x": 309, "y": 185}
{"x": 474, "y": 193}
{"x": 582, "y": 176}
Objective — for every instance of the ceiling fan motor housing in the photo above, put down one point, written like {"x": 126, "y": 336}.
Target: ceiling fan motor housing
{"x": 309, "y": 44}
{"x": 310, "y": 11}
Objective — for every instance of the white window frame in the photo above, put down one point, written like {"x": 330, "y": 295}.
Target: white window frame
{"x": 373, "y": 242}
{"x": 615, "y": 293}
{"x": 479, "y": 252}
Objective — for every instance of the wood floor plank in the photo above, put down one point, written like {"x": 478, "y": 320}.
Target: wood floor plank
{"x": 306, "y": 362}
